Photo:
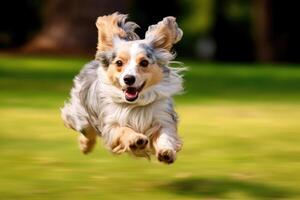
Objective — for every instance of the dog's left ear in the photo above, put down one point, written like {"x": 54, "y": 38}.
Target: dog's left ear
{"x": 164, "y": 34}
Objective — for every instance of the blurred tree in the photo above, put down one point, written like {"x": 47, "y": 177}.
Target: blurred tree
{"x": 275, "y": 34}
{"x": 197, "y": 22}
{"x": 232, "y": 31}
{"x": 18, "y": 22}
{"x": 146, "y": 13}
{"x": 261, "y": 15}
{"x": 284, "y": 30}
{"x": 69, "y": 25}
{"x": 225, "y": 30}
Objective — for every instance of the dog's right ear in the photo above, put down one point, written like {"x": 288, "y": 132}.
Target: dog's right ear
{"x": 113, "y": 26}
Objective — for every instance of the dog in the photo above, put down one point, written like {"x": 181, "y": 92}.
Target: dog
{"x": 125, "y": 94}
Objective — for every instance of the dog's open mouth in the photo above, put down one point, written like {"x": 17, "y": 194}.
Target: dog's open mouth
{"x": 132, "y": 93}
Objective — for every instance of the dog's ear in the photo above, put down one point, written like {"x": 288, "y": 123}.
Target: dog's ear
{"x": 164, "y": 34}
{"x": 112, "y": 26}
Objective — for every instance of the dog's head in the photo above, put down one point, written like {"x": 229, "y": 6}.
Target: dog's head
{"x": 133, "y": 65}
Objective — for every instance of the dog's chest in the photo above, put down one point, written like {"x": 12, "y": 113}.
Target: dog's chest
{"x": 140, "y": 118}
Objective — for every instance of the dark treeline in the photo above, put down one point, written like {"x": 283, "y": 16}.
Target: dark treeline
{"x": 233, "y": 30}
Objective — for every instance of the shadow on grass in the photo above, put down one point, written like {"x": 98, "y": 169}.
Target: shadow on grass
{"x": 221, "y": 187}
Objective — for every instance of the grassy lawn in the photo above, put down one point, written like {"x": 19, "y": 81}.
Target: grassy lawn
{"x": 240, "y": 125}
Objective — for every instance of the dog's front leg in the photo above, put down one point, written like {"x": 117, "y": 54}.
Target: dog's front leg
{"x": 124, "y": 139}
{"x": 166, "y": 143}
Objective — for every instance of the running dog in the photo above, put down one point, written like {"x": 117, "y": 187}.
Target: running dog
{"x": 125, "y": 94}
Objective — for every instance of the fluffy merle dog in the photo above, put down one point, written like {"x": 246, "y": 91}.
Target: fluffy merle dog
{"x": 125, "y": 94}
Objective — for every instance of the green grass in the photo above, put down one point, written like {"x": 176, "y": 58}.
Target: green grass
{"x": 240, "y": 125}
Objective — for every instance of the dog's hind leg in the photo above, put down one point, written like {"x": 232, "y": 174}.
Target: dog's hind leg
{"x": 75, "y": 117}
{"x": 87, "y": 139}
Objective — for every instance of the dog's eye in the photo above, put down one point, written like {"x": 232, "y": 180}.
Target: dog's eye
{"x": 144, "y": 63}
{"x": 119, "y": 63}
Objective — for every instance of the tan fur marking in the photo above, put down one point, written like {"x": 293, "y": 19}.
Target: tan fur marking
{"x": 125, "y": 138}
{"x": 125, "y": 134}
{"x": 123, "y": 56}
{"x": 90, "y": 133}
{"x": 107, "y": 29}
{"x": 153, "y": 140}
{"x": 114, "y": 70}
{"x": 153, "y": 73}
{"x": 119, "y": 69}
{"x": 87, "y": 139}
{"x": 112, "y": 74}
{"x": 140, "y": 57}
{"x": 165, "y": 33}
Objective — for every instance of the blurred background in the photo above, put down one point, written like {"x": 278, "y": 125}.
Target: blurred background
{"x": 239, "y": 117}
{"x": 230, "y": 30}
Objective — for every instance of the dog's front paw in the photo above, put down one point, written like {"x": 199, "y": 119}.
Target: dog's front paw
{"x": 167, "y": 156}
{"x": 138, "y": 142}
{"x": 130, "y": 143}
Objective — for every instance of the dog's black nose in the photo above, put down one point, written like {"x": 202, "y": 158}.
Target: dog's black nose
{"x": 129, "y": 79}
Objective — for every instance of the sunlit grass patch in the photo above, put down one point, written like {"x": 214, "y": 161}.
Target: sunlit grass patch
{"x": 249, "y": 151}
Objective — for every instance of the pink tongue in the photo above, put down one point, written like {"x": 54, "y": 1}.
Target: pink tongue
{"x": 131, "y": 93}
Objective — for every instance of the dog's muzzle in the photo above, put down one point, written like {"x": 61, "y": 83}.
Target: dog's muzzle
{"x": 132, "y": 93}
